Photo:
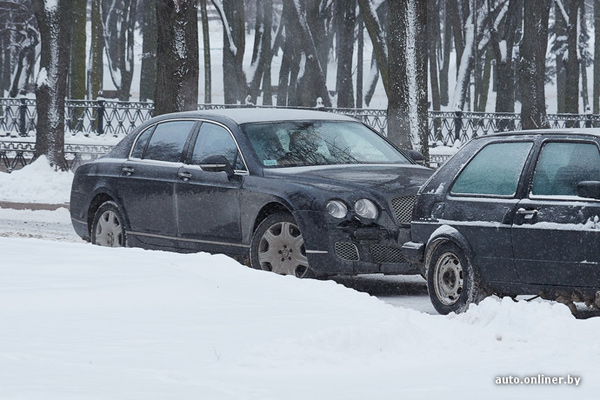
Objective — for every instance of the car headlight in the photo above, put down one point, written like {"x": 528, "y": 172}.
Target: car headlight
{"x": 337, "y": 209}
{"x": 366, "y": 209}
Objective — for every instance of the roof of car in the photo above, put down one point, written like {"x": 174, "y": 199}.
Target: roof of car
{"x": 549, "y": 132}
{"x": 246, "y": 115}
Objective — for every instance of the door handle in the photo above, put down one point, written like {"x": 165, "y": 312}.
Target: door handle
{"x": 128, "y": 170}
{"x": 527, "y": 213}
{"x": 185, "y": 176}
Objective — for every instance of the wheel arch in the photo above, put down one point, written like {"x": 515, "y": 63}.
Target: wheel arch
{"x": 268, "y": 209}
{"x": 445, "y": 234}
{"x": 100, "y": 198}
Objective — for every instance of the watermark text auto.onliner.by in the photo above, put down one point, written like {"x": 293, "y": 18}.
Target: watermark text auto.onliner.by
{"x": 539, "y": 379}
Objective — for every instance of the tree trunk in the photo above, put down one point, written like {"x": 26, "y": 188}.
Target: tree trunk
{"x": 77, "y": 63}
{"x": 573, "y": 62}
{"x": 433, "y": 26}
{"x": 359, "y": 67}
{"x": 148, "y": 67}
{"x": 95, "y": 72}
{"x": 54, "y": 24}
{"x": 533, "y": 64}
{"x": 206, "y": 52}
{"x": 118, "y": 32}
{"x": 345, "y": 17}
{"x": 505, "y": 71}
{"x": 311, "y": 84}
{"x": 177, "y": 56}
{"x": 596, "y": 94}
{"x": 234, "y": 42}
{"x": 407, "y": 96}
{"x": 375, "y": 30}
{"x": 446, "y": 51}
{"x": 483, "y": 87}
{"x": 261, "y": 55}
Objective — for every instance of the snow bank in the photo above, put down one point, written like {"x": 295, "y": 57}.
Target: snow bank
{"x": 38, "y": 182}
{"x": 84, "y": 322}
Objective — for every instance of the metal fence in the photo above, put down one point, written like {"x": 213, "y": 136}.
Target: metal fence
{"x": 116, "y": 118}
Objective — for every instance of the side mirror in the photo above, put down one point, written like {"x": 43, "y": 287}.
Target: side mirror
{"x": 218, "y": 163}
{"x": 416, "y": 157}
{"x": 589, "y": 189}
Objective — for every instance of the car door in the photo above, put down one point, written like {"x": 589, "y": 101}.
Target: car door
{"x": 481, "y": 202}
{"x": 208, "y": 202}
{"x": 147, "y": 180}
{"x": 554, "y": 233}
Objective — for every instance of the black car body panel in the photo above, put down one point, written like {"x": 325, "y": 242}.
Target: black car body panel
{"x": 541, "y": 239}
{"x": 179, "y": 205}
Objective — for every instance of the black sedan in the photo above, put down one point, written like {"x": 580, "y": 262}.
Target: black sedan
{"x": 512, "y": 214}
{"x": 303, "y": 193}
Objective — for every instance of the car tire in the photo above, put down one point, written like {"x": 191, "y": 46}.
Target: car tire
{"x": 451, "y": 280}
{"x": 107, "y": 228}
{"x": 278, "y": 246}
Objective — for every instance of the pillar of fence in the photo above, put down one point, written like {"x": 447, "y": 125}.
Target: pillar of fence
{"x": 457, "y": 124}
{"x": 23, "y": 117}
{"x": 101, "y": 110}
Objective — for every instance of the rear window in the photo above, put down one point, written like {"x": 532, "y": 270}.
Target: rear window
{"x": 166, "y": 143}
{"x": 495, "y": 170}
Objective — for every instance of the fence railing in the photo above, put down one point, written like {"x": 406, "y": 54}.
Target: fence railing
{"x": 89, "y": 118}
{"x": 109, "y": 117}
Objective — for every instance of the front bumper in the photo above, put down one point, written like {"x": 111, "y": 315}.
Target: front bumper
{"x": 353, "y": 248}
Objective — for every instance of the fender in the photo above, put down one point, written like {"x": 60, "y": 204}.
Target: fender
{"x": 448, "y": 233}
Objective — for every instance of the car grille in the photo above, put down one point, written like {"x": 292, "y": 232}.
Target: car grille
{"x": 346, "y": 251}
{"x": 386, "y": 254}
{"x": 403, "y": 207}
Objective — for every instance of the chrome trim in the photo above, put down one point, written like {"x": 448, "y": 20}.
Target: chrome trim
{"x": 317, "y": 252}
{"x": 196, "y": 119}
{"x": 153, "y": 235}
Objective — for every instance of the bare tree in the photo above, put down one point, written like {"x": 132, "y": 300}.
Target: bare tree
{"x": 119, "y": 17}
{"x": 506, "y": 34}
{"x": 148, "y": 67}
{"x": 54, "y": 19}
{"x": 234, "y": 42}
{"x": 95, "y": 68}
{"x": 206, "y": 51}
{"x": 574, "y": 59}
{"x": 407, "y": 89}
{"x": 262, "y": 53}
{"x": 345, "y": 21}
{"x": 177, "y": 56}
{"x": 596, "y": 90}
{"x": 533, "y": 64}
{"x": 77, "y": 70}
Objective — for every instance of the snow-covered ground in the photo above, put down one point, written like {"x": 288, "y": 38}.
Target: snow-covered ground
{"x": 84, "y": 322}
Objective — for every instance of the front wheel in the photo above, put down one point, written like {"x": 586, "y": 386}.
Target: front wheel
{"x": 278, "y": 246}
{"x": 451, "y": 279}
{"x": 107, "y": 228}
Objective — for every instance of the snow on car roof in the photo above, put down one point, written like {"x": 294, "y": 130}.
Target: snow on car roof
{"x": 247, "y": 115}
{"x": 558, "y": 131}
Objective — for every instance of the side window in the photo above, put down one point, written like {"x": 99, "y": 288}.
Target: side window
{"x": 561, "y": 166}
{"x": 168, "y": 140}
{"x": 140, "y": 144}
{"x": 215, "y": 140}
{"x": 495, "y": 170}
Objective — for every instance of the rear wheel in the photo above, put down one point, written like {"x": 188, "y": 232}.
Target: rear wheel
{"x": 107, "y": 228}
{"x": 451, "y": 279}
{"x": 278, "y": 246}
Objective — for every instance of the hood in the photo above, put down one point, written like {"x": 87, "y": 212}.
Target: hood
{"x": 362, "y": 177}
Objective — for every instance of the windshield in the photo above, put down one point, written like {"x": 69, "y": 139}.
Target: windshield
{"x": 300, "y": 143}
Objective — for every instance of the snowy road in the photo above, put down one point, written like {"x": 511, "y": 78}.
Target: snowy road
{"x": 55, "y": 225}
